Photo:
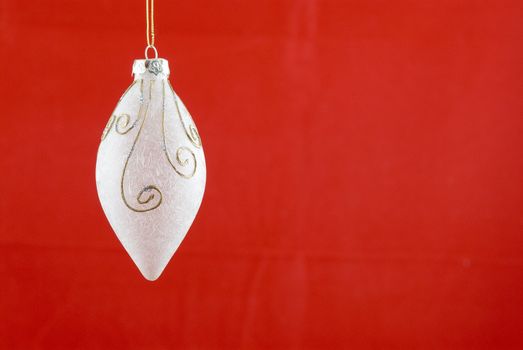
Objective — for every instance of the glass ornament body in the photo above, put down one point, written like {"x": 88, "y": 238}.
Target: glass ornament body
{"x": 150, "y": 169}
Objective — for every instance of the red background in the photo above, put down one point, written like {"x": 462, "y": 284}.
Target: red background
{"x": 365, "y": 176}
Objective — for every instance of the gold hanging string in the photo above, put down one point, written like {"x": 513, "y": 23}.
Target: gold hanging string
{"x": 149, "y": 22}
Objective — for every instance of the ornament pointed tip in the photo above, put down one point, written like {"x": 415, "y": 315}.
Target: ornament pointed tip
{"x": 151, "y": 271}
{"x": 151, "y": 278}
{"x": 150, "y": 265}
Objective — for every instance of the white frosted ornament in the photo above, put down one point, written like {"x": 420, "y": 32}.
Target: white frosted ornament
{"x": 150, "y": 169}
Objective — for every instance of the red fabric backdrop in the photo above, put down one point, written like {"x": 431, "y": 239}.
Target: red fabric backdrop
{"x": 365, "y": 176}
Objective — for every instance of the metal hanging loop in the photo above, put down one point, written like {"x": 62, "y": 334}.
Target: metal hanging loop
{"x": 147, "y": 52}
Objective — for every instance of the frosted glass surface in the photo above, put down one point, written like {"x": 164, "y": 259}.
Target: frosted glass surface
{"x": 150, "y": 169}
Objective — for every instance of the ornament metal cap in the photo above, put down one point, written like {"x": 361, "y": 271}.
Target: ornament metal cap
{"x": 151, "y": 68}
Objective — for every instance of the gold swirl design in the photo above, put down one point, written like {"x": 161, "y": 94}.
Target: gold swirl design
{"x": 184, "y": 156}
{"x": 147, "y": 189}
{"x": 190, "y": 130}
{"x": 150, "y": 192}
{"x": 123, "y": 124}
{"x": 112, "y": 119}
{"x": 184, "y": 161}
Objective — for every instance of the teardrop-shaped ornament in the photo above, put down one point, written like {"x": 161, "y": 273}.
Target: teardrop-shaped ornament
{"x": 150, "y": 169}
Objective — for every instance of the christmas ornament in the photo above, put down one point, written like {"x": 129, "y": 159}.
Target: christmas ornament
{"x": 150, "y": 169}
